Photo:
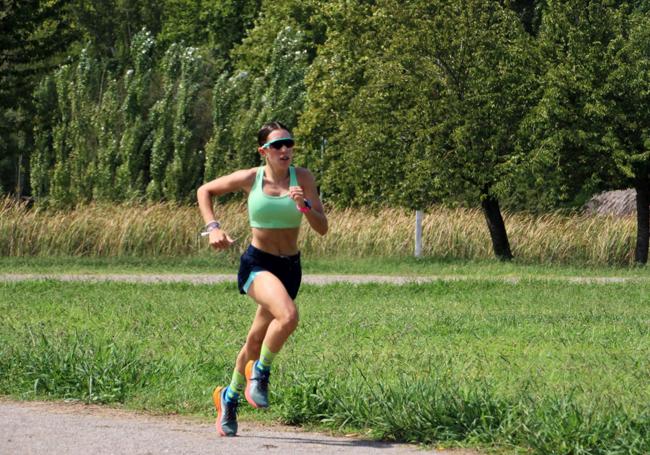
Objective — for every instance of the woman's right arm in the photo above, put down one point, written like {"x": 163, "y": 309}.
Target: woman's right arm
{"x": 237, "y": 181}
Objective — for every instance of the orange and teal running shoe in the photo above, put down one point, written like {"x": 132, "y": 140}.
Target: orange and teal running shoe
{"x": 257, "y": 385}
{"x": 226, "y": 412}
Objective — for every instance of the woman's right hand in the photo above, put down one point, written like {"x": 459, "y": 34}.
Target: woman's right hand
{"x": 219, "y": 240}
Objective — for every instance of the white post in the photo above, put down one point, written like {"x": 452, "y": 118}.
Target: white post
{"x": 323, "y": 144}
{"x": 418, "y": 233}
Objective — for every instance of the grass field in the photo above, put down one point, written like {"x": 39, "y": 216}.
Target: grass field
{"x": 539, "y": 366}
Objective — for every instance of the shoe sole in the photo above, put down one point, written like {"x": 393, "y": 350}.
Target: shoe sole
{"x": 216, "y": 397}
{"x": 249, "y": 373}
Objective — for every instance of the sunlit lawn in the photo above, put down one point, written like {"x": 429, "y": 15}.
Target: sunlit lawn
{"x": 547, "y": 365}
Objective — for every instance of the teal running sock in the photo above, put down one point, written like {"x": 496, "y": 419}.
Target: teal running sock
{"x": 266, "y": 358}
{"x": 237, "y": 385}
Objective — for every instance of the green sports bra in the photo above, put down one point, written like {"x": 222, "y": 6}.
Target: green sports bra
{"x": 272, "y": 212}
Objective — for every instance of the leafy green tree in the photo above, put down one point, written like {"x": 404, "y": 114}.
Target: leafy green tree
{"x": 332, "y": 82}
{"x": 377, "y": 139}
{"x": 443, "y": 89}
{"x": 109, "y": 26}
{"x": 566, "y": 127}
{"x": 42, "y": 159}
{"x": 242, "y": 103}
{"x": 529, "y": 12}
{"x": 162, "y": 119}
{"x": 219, "y": 26}
{"x": 134, "y": 146}
{"x": 221, "y": 153}
{"x": 254, "y": 54}
{"x": 588, "y": 131}
{"x": 284, "y": 94}
{"x": 84, "y": 86}
{"x": 73, "y": 135}
{"x": 626, "y": 97}
{"x": 176, "y": 158}
{"x": 183, "y": 172}
{"x": 61, "y": 147}
{"x": 108, "y": 124}
{"x": 34, "y": 34}
{"x": 106, "y": 148}
{"x": 480, "y": 59}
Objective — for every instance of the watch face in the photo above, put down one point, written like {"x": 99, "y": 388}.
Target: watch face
{"x": 307, "y": 203}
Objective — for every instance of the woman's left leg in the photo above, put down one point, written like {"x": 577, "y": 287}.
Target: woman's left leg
{"x": 254, "y": 339}
{"x": 274, "y": 301}
{"x": 227, "y": 398}
{"x": 271, "y": 295}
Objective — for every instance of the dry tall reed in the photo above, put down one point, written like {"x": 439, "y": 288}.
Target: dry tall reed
{"x": 99, "y": 230}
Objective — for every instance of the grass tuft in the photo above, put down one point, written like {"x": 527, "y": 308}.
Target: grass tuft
{"x": 75, "y": 365}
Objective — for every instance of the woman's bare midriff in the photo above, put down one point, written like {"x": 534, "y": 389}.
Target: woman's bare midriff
{"x": 280, "y": 242}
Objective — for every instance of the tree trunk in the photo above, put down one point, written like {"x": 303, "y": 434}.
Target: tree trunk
{"x": 19, "y": 177}
{"x": 642, "y": 187}
{"x": 497, "y": 227}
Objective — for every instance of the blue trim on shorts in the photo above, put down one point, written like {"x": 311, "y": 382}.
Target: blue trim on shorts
{"x": 251, "y": 277}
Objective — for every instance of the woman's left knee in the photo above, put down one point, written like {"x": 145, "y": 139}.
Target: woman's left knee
{"x": 289, "y": 319}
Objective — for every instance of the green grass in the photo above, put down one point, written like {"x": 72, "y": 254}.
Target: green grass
{"x": 544, "y": 366}
{"x": 227, "y": 263}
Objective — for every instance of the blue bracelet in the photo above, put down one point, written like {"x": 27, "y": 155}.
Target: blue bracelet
{"x": 212, "y": 225}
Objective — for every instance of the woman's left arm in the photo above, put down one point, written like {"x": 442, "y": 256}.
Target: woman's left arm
{"x": 308, "y": 190}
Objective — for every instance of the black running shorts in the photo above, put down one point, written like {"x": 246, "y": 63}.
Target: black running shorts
{"x": 286, "y": 268}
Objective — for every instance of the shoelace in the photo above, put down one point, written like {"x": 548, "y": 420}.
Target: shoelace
{"x": 230, "y": 410}
{"x": 263, "y": 379}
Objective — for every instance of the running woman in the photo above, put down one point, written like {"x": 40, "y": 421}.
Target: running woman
{"x": 279, "y": 195}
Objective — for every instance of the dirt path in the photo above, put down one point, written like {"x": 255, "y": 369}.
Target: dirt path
{"x": 55, "y": 428}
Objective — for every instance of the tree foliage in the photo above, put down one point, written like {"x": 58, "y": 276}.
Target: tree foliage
{"x": 332, "y": 82}
{"x": 528, "y": 104}
{"x": 242, "y": 102}
{"x": 219, "y": 26}
{"x": 436, "y": 103}
{"x": 34, "y": 35}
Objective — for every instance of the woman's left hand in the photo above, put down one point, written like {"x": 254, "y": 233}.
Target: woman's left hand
{"x": 297, "y": 194}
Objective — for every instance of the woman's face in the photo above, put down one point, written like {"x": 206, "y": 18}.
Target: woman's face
{"x": 278, "y": 148}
